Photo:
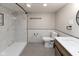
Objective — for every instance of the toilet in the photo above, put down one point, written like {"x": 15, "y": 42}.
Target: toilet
{"x": 48, "y": 41}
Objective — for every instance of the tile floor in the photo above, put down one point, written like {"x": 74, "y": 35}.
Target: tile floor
{"x": 37, "y": 49}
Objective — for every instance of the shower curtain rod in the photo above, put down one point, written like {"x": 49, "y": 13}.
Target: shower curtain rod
{"x": 22, "y": 8}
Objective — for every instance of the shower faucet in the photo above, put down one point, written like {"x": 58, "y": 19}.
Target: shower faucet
{"x": 35, "y": 34}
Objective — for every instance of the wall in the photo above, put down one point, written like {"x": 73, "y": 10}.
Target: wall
{"x": 47, "y": 21}
{"x": 37, "y": 28}
{"x": 21, "y": 28}
{"x": 67, "y": 16}
{"x": 7, "y": 32}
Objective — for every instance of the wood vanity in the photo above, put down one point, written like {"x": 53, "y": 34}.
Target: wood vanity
{"x": 60, "y": 50}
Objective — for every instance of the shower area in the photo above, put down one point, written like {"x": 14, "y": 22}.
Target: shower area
{"x": 13, "y": 31}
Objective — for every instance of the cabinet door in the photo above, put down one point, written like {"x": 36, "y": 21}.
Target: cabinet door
{"x": 57, "y": 53}
{"x": 61, "y": 49}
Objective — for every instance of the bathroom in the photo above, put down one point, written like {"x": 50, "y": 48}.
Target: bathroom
{"x": 23, "y": 26}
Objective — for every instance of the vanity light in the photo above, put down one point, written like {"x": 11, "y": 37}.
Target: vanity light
{"x": 44, "y": 4}
{"x": 28, "y": 5}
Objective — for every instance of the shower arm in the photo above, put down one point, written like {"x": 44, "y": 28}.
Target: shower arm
{"x": 22, "y": 8}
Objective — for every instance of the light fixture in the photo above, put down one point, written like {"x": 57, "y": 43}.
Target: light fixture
{"x": 28, "y": 5}
{"x": 44, "y": 4}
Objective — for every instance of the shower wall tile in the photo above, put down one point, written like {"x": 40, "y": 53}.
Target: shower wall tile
{"x": 7, "y": 32}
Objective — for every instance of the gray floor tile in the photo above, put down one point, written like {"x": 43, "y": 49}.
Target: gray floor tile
{"x": 37, "y": 49}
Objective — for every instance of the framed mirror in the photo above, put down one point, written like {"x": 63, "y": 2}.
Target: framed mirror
{"x": 77, "y": 17}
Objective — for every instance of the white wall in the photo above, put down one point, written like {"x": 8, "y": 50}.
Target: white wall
{"x": 7, "y": 32}
{"x": 67, "y": 16}
{"x": 41, "y": 26}
{"x": 21, "y": 28}
{"x": 47, "y": 21}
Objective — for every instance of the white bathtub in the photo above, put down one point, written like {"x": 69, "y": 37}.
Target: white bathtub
{"x": 14, "y": 50}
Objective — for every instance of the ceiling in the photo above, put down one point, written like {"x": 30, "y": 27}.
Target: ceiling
{"x": 35, "y": 7}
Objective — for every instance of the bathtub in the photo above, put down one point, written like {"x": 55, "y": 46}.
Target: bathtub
{"x": 14, "y": 50}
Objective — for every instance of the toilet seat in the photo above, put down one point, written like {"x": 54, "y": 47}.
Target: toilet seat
{"x": 47, "y": 38}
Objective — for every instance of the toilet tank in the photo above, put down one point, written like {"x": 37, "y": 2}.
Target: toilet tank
{"x": 53, "y": 34}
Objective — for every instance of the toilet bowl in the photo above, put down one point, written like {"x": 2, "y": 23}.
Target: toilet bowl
{"x": 48, "y": 41}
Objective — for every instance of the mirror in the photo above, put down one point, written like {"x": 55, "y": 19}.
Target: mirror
{"x": 77, "y": 17}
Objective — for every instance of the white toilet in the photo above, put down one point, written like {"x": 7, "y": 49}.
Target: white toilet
{"x": 48, "y": 41}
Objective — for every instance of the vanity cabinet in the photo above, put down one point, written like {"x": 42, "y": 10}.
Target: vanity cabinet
{"x": 60, "y": 50}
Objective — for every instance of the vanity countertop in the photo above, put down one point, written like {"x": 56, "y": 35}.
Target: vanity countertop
{"x": 70, "y": 44}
